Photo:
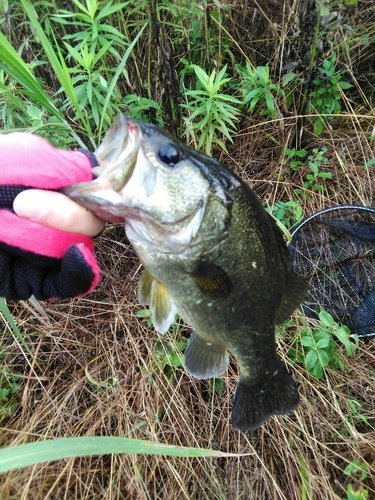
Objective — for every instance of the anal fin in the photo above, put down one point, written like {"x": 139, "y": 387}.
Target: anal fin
{"x": 204, "y": 359}
{"x": 144, "y": 287}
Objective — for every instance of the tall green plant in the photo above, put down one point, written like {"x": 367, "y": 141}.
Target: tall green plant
{"x": 211, "y": 112}
{"x": 326, "y": 95}
{"x": 91, "y": 17}
{"x": 319, "y": 346}
{"x": 88, "y": 51}
{"x": 88, "y": 84}
{"x": 258, "y": 89}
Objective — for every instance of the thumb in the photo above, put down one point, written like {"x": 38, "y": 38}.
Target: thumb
{"x": 57, "y": 211}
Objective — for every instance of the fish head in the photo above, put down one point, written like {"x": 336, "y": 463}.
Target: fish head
{"x": 161, "y": 188}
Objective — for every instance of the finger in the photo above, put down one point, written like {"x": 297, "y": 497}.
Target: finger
{"x": 58, "y": 211}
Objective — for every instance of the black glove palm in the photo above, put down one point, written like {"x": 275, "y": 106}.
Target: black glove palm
{"x": 36, "y": 259}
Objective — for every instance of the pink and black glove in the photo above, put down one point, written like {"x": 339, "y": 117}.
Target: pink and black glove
{"x": 36, "y": 259}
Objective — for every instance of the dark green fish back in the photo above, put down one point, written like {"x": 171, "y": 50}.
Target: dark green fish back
{"x": 258, "y": 290}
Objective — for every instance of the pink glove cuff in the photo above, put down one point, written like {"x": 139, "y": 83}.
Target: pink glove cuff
{"x": 91, "y": 262}
{"x": 24, "y": 168}
{"x": 37, "y": 238}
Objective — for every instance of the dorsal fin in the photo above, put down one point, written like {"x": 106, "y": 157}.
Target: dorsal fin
{"x": 295, "y": 286}
{"x": 295, "y": 290}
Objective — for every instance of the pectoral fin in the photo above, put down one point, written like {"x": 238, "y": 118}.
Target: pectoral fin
{"x": 162, "y": 307}
{"x": 144, "y": 287}
{"x": 205, "y": 359}
{"x": 212, "y": 280}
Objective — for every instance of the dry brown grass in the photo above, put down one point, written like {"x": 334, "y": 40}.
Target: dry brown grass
{"x": 93, "y": 369}
{"x": 94, "y": 373}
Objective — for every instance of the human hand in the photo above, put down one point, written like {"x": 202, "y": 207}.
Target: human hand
{"x": 49, "y": 253}
{"x": 57, "y": 211}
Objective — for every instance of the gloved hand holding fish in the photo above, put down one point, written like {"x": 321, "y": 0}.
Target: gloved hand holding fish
{"x": 210, "y": 252}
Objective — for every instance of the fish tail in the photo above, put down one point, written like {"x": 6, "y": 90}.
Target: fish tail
{"x": 256, "y": 399}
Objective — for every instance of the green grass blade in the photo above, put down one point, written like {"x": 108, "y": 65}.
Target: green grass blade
{"x": 12, "y": 63}
{"x": 9, "y": 319}
{"x": 56, "y": 449}
{"x": 116, "y": 76}
{"x": 58, "y": 64}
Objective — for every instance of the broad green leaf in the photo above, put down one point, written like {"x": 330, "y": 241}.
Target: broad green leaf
{"x": 323, "y": 343}
{"x": 318, "y": 126}
{"x": 307, "y": 341}
{"x": 311, "y": 359}
{"x": 57, "y": 449}
{"x": 270, "y": 103}
{"x": 344, "y": 85}
{"x": 201, "y": 74}
{"x": 326, "y": 318}
{"x": 251, "y": 94}
{"x": 108, "y": 9}
{"x": 288, "y": 78}
{"x": 324, "y": 358}
{"x": 317, "y": 372}
{"x": 12, "y": 63}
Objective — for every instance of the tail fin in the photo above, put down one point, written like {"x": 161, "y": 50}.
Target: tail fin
{"x": 257, "y": 399}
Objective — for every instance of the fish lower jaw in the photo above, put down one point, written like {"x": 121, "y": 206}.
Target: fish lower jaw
{"x": 142, "y": 227}
{"x": 154, "y": 239}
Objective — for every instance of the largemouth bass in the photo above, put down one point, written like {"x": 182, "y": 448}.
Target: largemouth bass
{"x": 210, "y": 252}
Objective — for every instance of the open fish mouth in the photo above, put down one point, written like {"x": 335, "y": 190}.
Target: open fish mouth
{"x": 117, "y": 154}
{"x": 117, "y": 157}
{"x": 120, "y": 156}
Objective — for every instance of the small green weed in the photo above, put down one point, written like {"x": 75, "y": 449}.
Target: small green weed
{"x": 306, "y": 486}
{"x": 168, "y": 354}
{"x": 319, "y": 346}
{"x": 356, "y": 407}
{"x": 360, "y": 494}
{"x": 216, "y": 385}
{"x": 326, "y": 96}
{"x": 316, "y": 161}
{"x": 356, "y": 468}
{"x": 9, "y": 388}
{"x": 286, "y": 213}
{"x": 211, "y": 113}
{"x": 12, "y": 105}
{"x": 145, "y": 313}
{"x": 292, "y": 159}
{"x": 369, "y": 163}
{"x": 313, "y": 180}
{"x": 258, "y": 89}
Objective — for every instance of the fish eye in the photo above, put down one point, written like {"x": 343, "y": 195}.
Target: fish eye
{"x": 169, "y": 154}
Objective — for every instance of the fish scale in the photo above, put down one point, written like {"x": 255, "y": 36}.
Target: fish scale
{"x": 210, "y": 252}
